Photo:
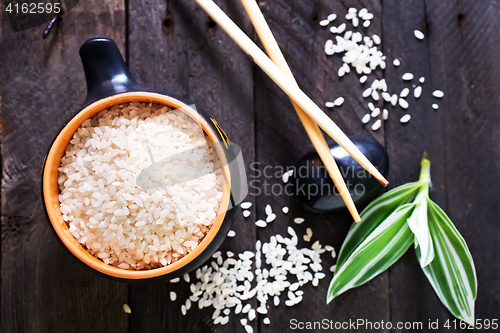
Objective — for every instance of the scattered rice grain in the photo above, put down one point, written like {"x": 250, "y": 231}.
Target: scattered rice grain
{"x": 438, "y": 94}
{"x": 324, "y": 23}
{"x": 376, "y": 125}
{"x": 261, "y": 224}
{"x": 407, "y": 76}
{"x": 366, "y": 118}
{"x": 419, "y": 34}
{"x": 298, "y": 220}
{"x": 403, "y": 103}
{"x": 126, "y": 308}
{"x": 417, "y": 92}
{"x": 339, "y": 101}
{"x": 246, "y": 205}
{"x": 404, "y": 119}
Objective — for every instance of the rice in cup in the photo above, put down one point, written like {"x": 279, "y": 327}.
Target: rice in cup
{"x": 124, "y": 216}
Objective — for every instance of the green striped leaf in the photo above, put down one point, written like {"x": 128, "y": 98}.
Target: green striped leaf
{"x": 377, "y": 252}
{"x": 389, "y": 225}
{"x": 373, "y": 215}
{"x": 451, "y": 273}
{"x": 420, "y": 228}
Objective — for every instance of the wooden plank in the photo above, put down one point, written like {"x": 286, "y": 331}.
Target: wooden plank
{"x": 175, "y": 47}
{"x": 281, "y": 141}
{"x": 459, "y": 57}
{"x": 42, "y": 83}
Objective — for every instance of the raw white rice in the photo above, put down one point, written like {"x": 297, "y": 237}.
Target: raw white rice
{"x": 341, "y": 28}
{"x": 270, "y": 218}
{"x": 407, "y": 76}
{"x": 419, "y": 34}
{"x": 126, "y": 308}
{"x": 366, "y": 118}
{"x": 332, "y": 17}
{"x": 285, "y": 177}
{"x": 367, "y": 92}
{"x": 116, "y": 220}
{"x": 298, "y": 220}
{"x": 394, "y": 99}
{"x": 417, "y": 92}
{"x": 246, "y": 205}
{"x": 385, "y": 114}
{"x": 339, "y": 101}
{"x": 355, "y": 21}
{"x": 386, "y": 96}
{"x": 438, "y": 94}
{"x": 232, "y": 282}
{"x": 404, "y": 119}
{"x": 360, "y": 52}
{"x": 403, "y": 103}
{"x": 376, "y": 125}
{"x": 324, "y": 23}
{"x": 404, "y": 93}
{"x": 261, "y": 223}
{"x": 375, "y": 113}
{"x": 268, "y": 209}
{"x": 252, "y": 314}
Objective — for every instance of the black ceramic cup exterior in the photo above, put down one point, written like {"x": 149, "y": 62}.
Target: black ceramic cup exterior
{"x": 109, "y": 81}
{"x": 315, "y": 189}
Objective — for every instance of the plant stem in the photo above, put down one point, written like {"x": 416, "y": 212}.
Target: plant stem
{"x": 425, "y": 174}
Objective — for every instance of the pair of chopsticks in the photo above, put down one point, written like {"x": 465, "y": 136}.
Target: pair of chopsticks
{"x": 309, "y": 113}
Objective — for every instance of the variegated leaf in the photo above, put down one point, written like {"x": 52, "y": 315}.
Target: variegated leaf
{"x": 373, "y": 215}
{"x": 383, "y": 247}
{"x": 420, "y": 228}
{"x": 452, "y": 273}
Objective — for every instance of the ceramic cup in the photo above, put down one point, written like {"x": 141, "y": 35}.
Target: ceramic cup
{"x": 110, "y": 83}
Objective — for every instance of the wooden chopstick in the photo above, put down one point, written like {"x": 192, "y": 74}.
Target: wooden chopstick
{"x": 291, "y": 89}
{"x": 272, "y": 48}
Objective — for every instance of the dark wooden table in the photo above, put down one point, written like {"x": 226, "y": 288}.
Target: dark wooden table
{"x": 173, "y": 46}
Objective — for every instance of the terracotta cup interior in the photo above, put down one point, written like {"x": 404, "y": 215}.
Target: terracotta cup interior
{"x": 51, "y": 188}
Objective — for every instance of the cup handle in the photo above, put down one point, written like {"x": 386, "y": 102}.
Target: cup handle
{"x": 105, "y": 70}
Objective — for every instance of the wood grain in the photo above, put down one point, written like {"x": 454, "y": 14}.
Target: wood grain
{"x": 295, "y": 26}
{"x": 462, "y": 138}
{"x": 42, "y": 83}
{"x": 175, "y": 47}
